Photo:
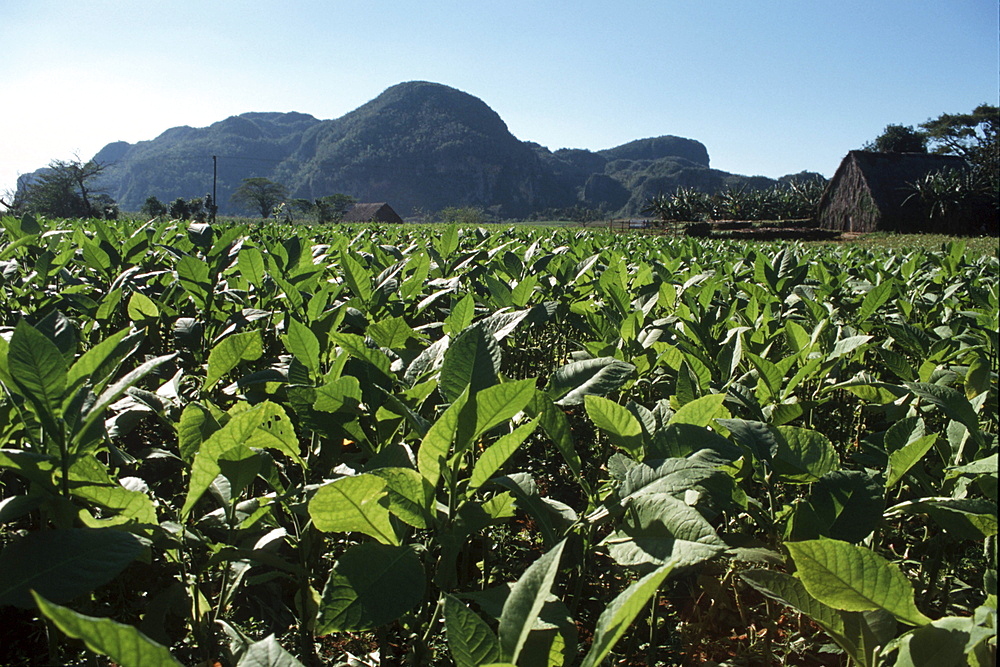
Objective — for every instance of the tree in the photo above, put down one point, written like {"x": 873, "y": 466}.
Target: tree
{"x": 153, "y": 207}
{"x": 259, "y": 194}
{"x": 64, "y": 190}
{"x": 898, "y": 139}
{"x": 975, "y": 136}
{"x": 179, "y": 209}
{"x": 333, "y": 207}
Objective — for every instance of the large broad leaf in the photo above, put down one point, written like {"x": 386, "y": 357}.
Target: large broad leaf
{"x": 618, "y": 616}
{"x": 964, "y": 518}
{"x": 39, "y": 370}
{"x": 952, "y": 641}
{"x": 803, "y": 455}
{"x": 673, "y": 476}
{"x": 472, "y": 360}
{"x": 952, "y": 402}
{"x": 555, "y": 424}
{"x": 875, "y": 299}
{"x": 267, "y": 653}
{"x": 853, "y": 578}
{"x": 354, "y": 504}
{"x": 701, "y": 411}
{"x": 228, "y": 354}
{"x": 265, "y": 425}
{"x": 371, "y": 585}
{"x": 850, "y": 629}
{"x": 658, "y": 528}
{"x": 124, "y": 644}
{"x": 598, "y": 377}
{"x": 499, "y": 403}
{"x": 491, "y": 460}
{"x": 62, "y": 564}
{"x": 621, "y": 425}
{"x": 907, "y": 456}
{"x": 470, "y": 639}
{"x": 437, "y": 442}
{"x": 357, "y": 277}
{"x": 410, "y": 495}
{"x": 527, "y": 597}
{"x": 303, "y": 344}
{"x": 843, "y": 505}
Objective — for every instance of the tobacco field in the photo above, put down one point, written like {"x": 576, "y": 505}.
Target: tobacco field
{"x": 280, "y": 445}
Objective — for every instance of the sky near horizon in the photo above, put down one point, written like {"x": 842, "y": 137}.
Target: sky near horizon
{"x": 770, "y": 87}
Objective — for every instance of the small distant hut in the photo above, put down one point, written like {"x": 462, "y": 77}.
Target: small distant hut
{"x": 372, "y": 212}
{"x": 870, "y": 191}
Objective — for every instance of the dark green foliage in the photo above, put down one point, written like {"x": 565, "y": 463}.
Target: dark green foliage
{"x": 898, "y": 139}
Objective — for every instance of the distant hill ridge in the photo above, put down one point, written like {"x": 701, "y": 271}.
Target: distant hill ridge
{"x": 420, "y": 147}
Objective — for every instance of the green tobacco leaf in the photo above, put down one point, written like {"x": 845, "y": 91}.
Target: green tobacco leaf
{"x": 964, "y": 518}
{"x": 501, "y": 402}
{"x": 267, "y": 653}
{"x": 555, "y": 424}
{"x": 843, "y": 505}
{"x": 470, "y": 639}
{"x": 124, "y": 644}
{"x": 901, "y": 460}
{"x": 616, "y": 420}
{"x": 115, "y": 391}
{"x": 658, "y": 528}
{"x": 436, "y": 445}
{"x": 525, "y": 602}
{"x": 251, "y": 265}
{"x": 391, "y": 332}
{"x": 472, "y": 360}
{"x": 978, "y": 377}
{"x": 460, "y": 316}
{"x": 875, "y": 299}
{"x": 195, "y": 426}
{"x": 619, "y": 615}
{"x": 844, "y": 627}
{"x": 760, "y": 438}
{"x": 947, "y": 642}
{"x": 952, "y": 402}
{"x": 853, "y": 578}
{"x": 228, "y": 354}
{"x": 598, "y": 377}
{"x": 141, "y": 307}
{"x": 62, "y": 564}
{"x": 673, "y": 476}
{"x": 354, "y": 504}
{"x": 371, "y": 585}
{"x": 491, "y": 460}
{"x": 357, "y": 277}
{"x": 410, "y": 495}
{"x": 701, "y": 411}
{"x": 193, "y": 275}
{"x": 343, "y": 394}
{"x": 38, "y": 368}
{"x": 302, "y": 343}
{"x": 264, "y": 426}
{"x": 803, "y": 455}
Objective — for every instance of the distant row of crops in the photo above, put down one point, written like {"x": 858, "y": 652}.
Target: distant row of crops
{"x": 795, "y": 200}
{"x": 425, "y": 445}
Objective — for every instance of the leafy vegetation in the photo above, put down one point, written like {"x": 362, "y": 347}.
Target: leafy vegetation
{"x": 433, "y": 445}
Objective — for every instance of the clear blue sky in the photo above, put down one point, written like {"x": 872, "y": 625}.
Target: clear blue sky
{"x": 770, "y": 87}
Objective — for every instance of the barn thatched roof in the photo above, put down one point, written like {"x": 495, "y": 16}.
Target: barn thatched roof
{"x": 371, "y": 212}
{"x": 869, "y": 191}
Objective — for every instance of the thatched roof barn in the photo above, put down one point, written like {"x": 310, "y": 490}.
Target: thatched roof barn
{"x": 869, "y": 191}
{"x": 372, "y": 212}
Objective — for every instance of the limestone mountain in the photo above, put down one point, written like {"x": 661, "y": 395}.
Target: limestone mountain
{"x": 419, "y": 146}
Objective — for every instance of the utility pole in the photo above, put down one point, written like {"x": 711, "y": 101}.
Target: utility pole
{"x": 215, "y": 197}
